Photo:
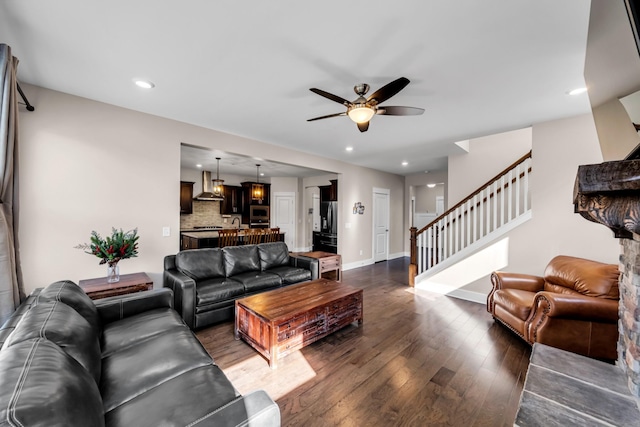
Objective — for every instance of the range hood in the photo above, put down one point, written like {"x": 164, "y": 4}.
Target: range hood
{"x": 207, "y": 189}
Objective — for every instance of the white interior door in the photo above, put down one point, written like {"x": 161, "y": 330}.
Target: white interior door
{"x": 284, "y": 215}
{"x": 380, "y": 224}
{"x": 439, "y": 205}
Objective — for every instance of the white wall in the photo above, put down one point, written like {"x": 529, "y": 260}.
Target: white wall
{"x": 487, "y": 157}
{"x": 85, "y": 165}
{"x": 616, "y": 132}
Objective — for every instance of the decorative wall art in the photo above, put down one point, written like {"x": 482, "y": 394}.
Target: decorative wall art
{"x": 358, "y": 208}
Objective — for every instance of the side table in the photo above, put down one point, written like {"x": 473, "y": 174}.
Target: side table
{"x": 327, "y": 262}
{"x": 129, "y": 283}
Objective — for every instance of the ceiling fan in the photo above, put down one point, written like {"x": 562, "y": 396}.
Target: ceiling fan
{"x": 363, "y": 109}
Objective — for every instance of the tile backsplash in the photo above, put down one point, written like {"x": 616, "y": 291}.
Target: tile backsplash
{"x": 205, "y": 213}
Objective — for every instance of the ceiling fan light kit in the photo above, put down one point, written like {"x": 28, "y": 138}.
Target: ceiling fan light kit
{"x": 363, "y": 109}
{"x": 361, "y": 113}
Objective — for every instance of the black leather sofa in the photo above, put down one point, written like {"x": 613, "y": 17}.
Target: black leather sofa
{"x": 206, "y": 282}
{"x": 123, "y": 361}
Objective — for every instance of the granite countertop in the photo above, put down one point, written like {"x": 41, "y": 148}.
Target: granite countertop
{"x": 208, "y": 234}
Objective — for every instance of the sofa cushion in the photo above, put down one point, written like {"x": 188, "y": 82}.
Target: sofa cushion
{"x": 192, "y": 394}
{"x": 515, "y": 301}
{"x": 137, "y": 368}
{"x": 200, "y": 264}
{"x": 65, "y": 327}
{"x": 290, "y": 275}
{"x": 51, "y": 389}
{"x": 272, "y": 255}
{"x": 132, "y": 330}
{"x": 218, "y": 289}
{"x": 72, "y": 295}
{"x": 241, "y": 259}
{"x": 254, "y": 281}
{"x": 587, "y": 277}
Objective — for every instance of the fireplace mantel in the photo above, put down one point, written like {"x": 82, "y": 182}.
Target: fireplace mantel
{"x": 608, "y": 193}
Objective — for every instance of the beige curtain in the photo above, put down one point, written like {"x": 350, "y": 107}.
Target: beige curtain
{"x": 11, "y": 289}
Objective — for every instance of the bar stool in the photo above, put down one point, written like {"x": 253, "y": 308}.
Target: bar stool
{"x": 252, "y": 236}
{"x": 271, "y": 234}
{"x": 227, "y": 237}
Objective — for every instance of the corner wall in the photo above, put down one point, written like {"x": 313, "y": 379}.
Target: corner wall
{"x": 559, "y": 147}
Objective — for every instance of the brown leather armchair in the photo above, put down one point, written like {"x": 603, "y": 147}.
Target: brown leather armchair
{"x": 573, "y": 307}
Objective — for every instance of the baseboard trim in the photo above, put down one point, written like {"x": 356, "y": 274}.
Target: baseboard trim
{"x": 357, "y": 264}
{"x": 472, "y": 296}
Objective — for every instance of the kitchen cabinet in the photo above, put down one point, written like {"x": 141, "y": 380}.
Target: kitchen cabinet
{"x": 232, "y": 203}
{"x": 329, "y": 193}
{"x": 186, "y": 197}
{"x": 248, "y": 201}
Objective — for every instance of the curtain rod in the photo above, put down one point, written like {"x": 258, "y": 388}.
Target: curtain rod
{"x": 24, "y": 98}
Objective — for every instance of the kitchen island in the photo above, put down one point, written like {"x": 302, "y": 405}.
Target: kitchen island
{"x": 209, "y": 239}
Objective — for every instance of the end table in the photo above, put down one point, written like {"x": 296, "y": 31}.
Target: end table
{"x": 129, "y": 283}
{"x": 327, "y": 262}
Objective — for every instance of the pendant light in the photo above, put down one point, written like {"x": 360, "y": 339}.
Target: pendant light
{"x": 218, "y": 184}
{"x": 257, "y": 189}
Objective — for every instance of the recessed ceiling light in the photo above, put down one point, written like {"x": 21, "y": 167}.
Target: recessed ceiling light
{"x": 405, "y": 163}
{"x": 145, "y": 84}
{"x": 578, "y": 91}
{"x": 198, "y": 166}
{"x": 261, "y": 173}
{"x": 431, "y": 185}
{"x": 349, "y": 148}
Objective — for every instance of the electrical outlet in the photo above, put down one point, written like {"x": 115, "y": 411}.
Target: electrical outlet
{"x": 225, "y": 220}
{"x": 360, "y": 251}
{"x": 166, "y": 231}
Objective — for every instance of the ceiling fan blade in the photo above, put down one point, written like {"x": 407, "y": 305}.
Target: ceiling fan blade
{"x": 326, "y": 117}
{"x": 400, "y": 111}
{"x": 363, "y": 126}
{"x": 331, "y": 96}
{"x": 388, "y": 90}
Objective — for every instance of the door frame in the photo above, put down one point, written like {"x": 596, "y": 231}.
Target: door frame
{"x": 386, "y": 192}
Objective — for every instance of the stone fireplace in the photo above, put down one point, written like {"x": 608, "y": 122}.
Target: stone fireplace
{"x": 608, "y": 193}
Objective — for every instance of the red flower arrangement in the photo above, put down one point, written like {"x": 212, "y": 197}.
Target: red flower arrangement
{"x": 119, "y": 245}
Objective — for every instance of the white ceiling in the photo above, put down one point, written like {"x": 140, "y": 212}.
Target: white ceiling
{"x": 476, "y": 67}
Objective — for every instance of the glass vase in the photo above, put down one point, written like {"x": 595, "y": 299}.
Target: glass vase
{"x": 113, "y": 273}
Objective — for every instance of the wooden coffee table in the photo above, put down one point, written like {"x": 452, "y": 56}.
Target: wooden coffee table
{"x": 279, "y": 322}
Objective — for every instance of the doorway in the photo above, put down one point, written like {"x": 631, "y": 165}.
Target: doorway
{"x": 284, "y": 217}
{"x": 380, "y": 224}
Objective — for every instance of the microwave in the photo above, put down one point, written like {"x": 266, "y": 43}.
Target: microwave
{"x": 258, "y": 213}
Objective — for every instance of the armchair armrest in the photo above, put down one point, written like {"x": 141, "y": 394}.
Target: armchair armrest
{"x": 576, "y": 307}
{"x": 184, "y": 294}
{"x": 524, "y": 282}
{"x": 121, "y": 306}
{"x": 504, "y": 280}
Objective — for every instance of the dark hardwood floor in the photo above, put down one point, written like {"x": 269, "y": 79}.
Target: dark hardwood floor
{"x": 419, "y": 359}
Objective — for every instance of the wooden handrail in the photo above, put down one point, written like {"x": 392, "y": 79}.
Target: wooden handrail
{"x": 463, "y": 201}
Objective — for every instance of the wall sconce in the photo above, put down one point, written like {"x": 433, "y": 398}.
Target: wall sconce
{"x": 358, "y": 208}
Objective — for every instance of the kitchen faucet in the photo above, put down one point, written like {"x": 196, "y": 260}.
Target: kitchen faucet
{"x": 234, "y": 220}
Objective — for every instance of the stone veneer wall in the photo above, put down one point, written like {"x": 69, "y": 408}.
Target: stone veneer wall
{"x": 629, "y": 323}
{"x": 205, "y": 213}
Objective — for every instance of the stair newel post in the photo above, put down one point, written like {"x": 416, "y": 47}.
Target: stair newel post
{"x": 413, "y": 265}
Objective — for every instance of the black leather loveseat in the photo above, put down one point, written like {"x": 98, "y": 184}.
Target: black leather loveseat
{"x": 206, "y": 282}
{"x": 123, "y": 361}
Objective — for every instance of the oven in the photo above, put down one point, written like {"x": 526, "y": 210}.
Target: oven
{"x": 258, "y": 216}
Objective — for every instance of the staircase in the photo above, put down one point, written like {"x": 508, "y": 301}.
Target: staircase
{"x": 495, "y": 208}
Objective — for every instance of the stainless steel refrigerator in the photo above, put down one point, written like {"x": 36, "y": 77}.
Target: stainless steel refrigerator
{"x": 327, "y": 239}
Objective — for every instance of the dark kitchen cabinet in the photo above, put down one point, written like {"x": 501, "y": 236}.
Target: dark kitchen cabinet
{"x": 329, "y": 193}
{"x": 186, "y": 197}
{"x": 232, "y": 203}
{"x": 248, "y": 200}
